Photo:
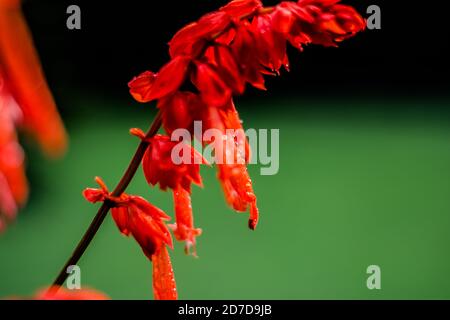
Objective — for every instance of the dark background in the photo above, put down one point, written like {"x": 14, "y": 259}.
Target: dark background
{"x": 118, "y": 40}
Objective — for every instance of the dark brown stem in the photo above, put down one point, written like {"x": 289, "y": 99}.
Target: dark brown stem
{"x": 103, "y": 210}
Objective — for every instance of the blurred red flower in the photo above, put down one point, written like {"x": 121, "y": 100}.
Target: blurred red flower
{"x": 26, "y": 102}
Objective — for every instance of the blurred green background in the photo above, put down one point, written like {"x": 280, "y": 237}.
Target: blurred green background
{"x": 360, "y": 183}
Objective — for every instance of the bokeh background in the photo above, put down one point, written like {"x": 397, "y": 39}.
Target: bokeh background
{"x": 364, "y": 162}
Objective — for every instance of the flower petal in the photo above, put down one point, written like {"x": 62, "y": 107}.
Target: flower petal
{"x": 241, "y": 8}
{"x": 140, "y": 86}
{"x": 164, "y": 286}
{"x": 213, "y": 90}
{"x": 120, "y": 216}
{"x": 184, "y": 229}
{"x": 148, "y": 86}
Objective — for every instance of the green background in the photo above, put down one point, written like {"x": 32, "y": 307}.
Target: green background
{"x": 361, "y": 183}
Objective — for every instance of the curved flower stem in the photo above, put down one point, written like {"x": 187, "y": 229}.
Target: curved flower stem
{"x": 104, "y": 209}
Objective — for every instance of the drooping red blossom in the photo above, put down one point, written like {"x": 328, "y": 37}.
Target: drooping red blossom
{"x": 232, "y": 169}
{"x": 222, "y": 52}
{"x": 172, "y": 168}
{"x": 175, "y": 165}
{"x": 61, "y": 293}
{"x": 164, "y": 286}
{"x": 25, "y": 102}
{"x": 184, "y": 229}
{"x": 137, "y": 217}
{"x": 238, "y": 190}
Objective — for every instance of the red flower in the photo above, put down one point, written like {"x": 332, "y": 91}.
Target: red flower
{"x": 233, "y": 175}
{"x": 25, "y": 101}
{"x": 171, "y": 168}
{"x": 184, "y": 228}
{"x": 238, "y": 189}
{"x": 60, "y": 293}
{"x": 238, "y": 44}
{"x": 164, "y": 286}
{"x": 176, "y": 169}
{"x": 145, "y": 222}
{"x": 20, "y": 68}
{"x": 219, "y": 54}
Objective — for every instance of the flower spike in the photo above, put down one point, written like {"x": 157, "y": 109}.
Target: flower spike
{"x": 219, "y": 54}
{"x": 216, "y": 56}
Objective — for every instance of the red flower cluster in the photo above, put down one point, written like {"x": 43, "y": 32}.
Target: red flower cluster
{"x": 145, "y": 222}
{"x": 26, "y": 102}
{"x": 224, "y": 50}
{"x": 219, "y": 54}
{"x": 137, "y": 217}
